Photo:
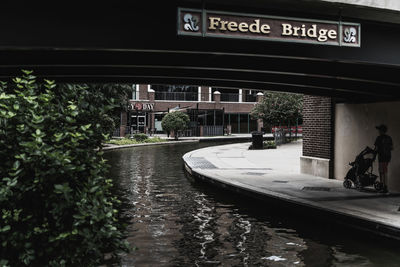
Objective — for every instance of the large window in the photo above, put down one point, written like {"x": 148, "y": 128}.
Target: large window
{"x": 240, "y": 123}
{"x": 175, "y": 92}
{"x": 227, "y": 95}
{"x": 250, "y": 95}
{"x": 135, "y": 92}
{"x": 206, "y": 117}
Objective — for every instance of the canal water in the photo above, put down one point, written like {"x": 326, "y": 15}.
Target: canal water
{"x": 180, "y": 222}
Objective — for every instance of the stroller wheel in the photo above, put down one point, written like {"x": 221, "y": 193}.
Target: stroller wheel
{"x": 347, "y": 184}
{"x": 358, "y": 185}
{"x": 378, "y": 186}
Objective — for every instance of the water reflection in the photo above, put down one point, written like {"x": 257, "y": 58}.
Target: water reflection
{"x": 177, "y": 222}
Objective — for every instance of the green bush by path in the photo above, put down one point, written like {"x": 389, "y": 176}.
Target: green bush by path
{"x": 269, "y": 145}
{"x": 140, "y": 137}
{"x": 56, "y": 203}
{"x": 128, "y": 141}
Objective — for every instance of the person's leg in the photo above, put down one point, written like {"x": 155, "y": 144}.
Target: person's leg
{"x": 386, "y": 176}
{"x": 381, "y": 173}
{"x": 383, "y": 169}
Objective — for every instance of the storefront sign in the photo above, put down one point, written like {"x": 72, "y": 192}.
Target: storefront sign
{"x": 141, "y": 106}
{"x": 205, "y": 23}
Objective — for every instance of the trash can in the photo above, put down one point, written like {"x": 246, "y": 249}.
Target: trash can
{"x": 257, "y": 140}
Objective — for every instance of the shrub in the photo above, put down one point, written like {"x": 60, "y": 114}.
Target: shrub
{"x": 269, "y": 145}
{"x": 140, "y": 137}
{"x": 266, "y": 145}
{"x": 154, "y": 140}
{"x": 175, "y": 121}
{"x": 56, "y": 203}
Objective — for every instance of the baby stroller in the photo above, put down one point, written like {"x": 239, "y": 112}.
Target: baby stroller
{"x": 360, "y": 173}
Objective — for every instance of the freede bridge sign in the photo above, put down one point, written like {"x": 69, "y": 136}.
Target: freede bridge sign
{"x": 205, "y": 23}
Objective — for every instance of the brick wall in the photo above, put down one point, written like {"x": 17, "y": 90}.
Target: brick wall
{"x": 318, "y": 127}
{"x": 143, "y": 92}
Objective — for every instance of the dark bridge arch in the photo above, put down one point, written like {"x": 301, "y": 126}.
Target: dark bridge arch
{"x": 139, "y": 43}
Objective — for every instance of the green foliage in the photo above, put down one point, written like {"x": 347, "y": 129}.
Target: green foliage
{"x": 56, "y": 204}
{"x": 175, "y": 121}
{"x": 140, "y": 137}
{"x": 128, "y": 141}
{"x": 269, "y": 145}
{"x": 93, "y": 98}
{"x": 279, "y": 108}
{"x": 266, "y": 145}
{"x": 154, "y": 140}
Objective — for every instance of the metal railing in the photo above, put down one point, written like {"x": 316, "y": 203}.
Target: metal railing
{"x": 249, "y": 98}
{"x": 213, "y": 130}
{"x": 177, "y": 96}
{"x": 279, "y": 136}
{"x": 229, "y": 97}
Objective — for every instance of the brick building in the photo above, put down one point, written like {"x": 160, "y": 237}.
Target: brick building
{"x": 212, "y": 111}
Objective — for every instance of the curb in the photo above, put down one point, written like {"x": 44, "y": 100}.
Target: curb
{"x": 115, "y": 147}
{"x": 300, "y": 206}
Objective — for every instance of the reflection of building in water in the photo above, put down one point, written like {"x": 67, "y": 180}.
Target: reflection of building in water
{"x": 212, "y": 111}
{"x": 249, "y": 242}
{"x": 285, "y": 245}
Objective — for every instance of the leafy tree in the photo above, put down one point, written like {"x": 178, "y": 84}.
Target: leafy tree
{"x": 175, "y": 121}
{"x": 95, "y": 94}
{"x": 56, "y": 204}
{"x": 278, "y": 109}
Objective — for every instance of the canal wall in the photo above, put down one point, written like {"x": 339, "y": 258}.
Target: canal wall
{"x": 261, "y": 174}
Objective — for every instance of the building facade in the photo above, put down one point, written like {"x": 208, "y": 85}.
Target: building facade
{"x": 212, "y": 111}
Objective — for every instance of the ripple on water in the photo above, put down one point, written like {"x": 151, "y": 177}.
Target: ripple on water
{"x": 179, "y": 223}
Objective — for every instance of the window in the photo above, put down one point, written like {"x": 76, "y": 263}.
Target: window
{"x": 227, "y": 95}
{"x": 176, "y": 92}
{"x": 135, "y": 93}
{"x": 250, "y": 95}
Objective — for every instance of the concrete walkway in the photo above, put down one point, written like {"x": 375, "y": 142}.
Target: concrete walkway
{"x": 275, "y": 174}
{"x": 239, "y": 137}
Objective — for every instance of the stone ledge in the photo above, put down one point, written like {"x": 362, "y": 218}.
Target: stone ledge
{"x": 314, "y": 166}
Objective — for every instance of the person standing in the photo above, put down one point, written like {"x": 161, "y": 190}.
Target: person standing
{"x": 383, "y": 147}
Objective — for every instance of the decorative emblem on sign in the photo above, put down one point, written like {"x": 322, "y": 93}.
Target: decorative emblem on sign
{"x": 350, "y": 35}
{"x": 217, "y": 24}
{"x": 191, "y": 23}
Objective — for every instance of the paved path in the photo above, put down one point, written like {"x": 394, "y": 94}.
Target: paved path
{"x": 276, "y": 174}
{"x": 243, "y": 137}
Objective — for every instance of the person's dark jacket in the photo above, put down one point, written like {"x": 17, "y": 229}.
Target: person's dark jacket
{"x": 384, "y": 147}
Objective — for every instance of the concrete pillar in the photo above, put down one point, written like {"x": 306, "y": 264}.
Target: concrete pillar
{"x": 151, "y": 94}
{"x": 259, "y": 97}
{"x": 199, "y": 94}
{"x": 122, "y": 127}
{"x": 217, "y": 97}
{"x": 143, "y": 92}
{"x": 240, "y": 95}
{"x": 260, "y": 124}
{"x": 204, "y": 94}
{"x": 201, "y": 130}
{"x": 152, "y": 123}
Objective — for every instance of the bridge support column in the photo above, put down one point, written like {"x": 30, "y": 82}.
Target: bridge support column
{"x": 318, "y": 119}
{"x": 122, "y": 127}
{"x": 260, "y": 122}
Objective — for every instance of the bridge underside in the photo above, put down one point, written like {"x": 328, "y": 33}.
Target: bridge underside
{"x": 117, "y": 42}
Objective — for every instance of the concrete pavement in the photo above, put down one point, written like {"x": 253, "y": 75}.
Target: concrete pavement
{"x": 232, "y": 137}
{"x": 276, "y": 174}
